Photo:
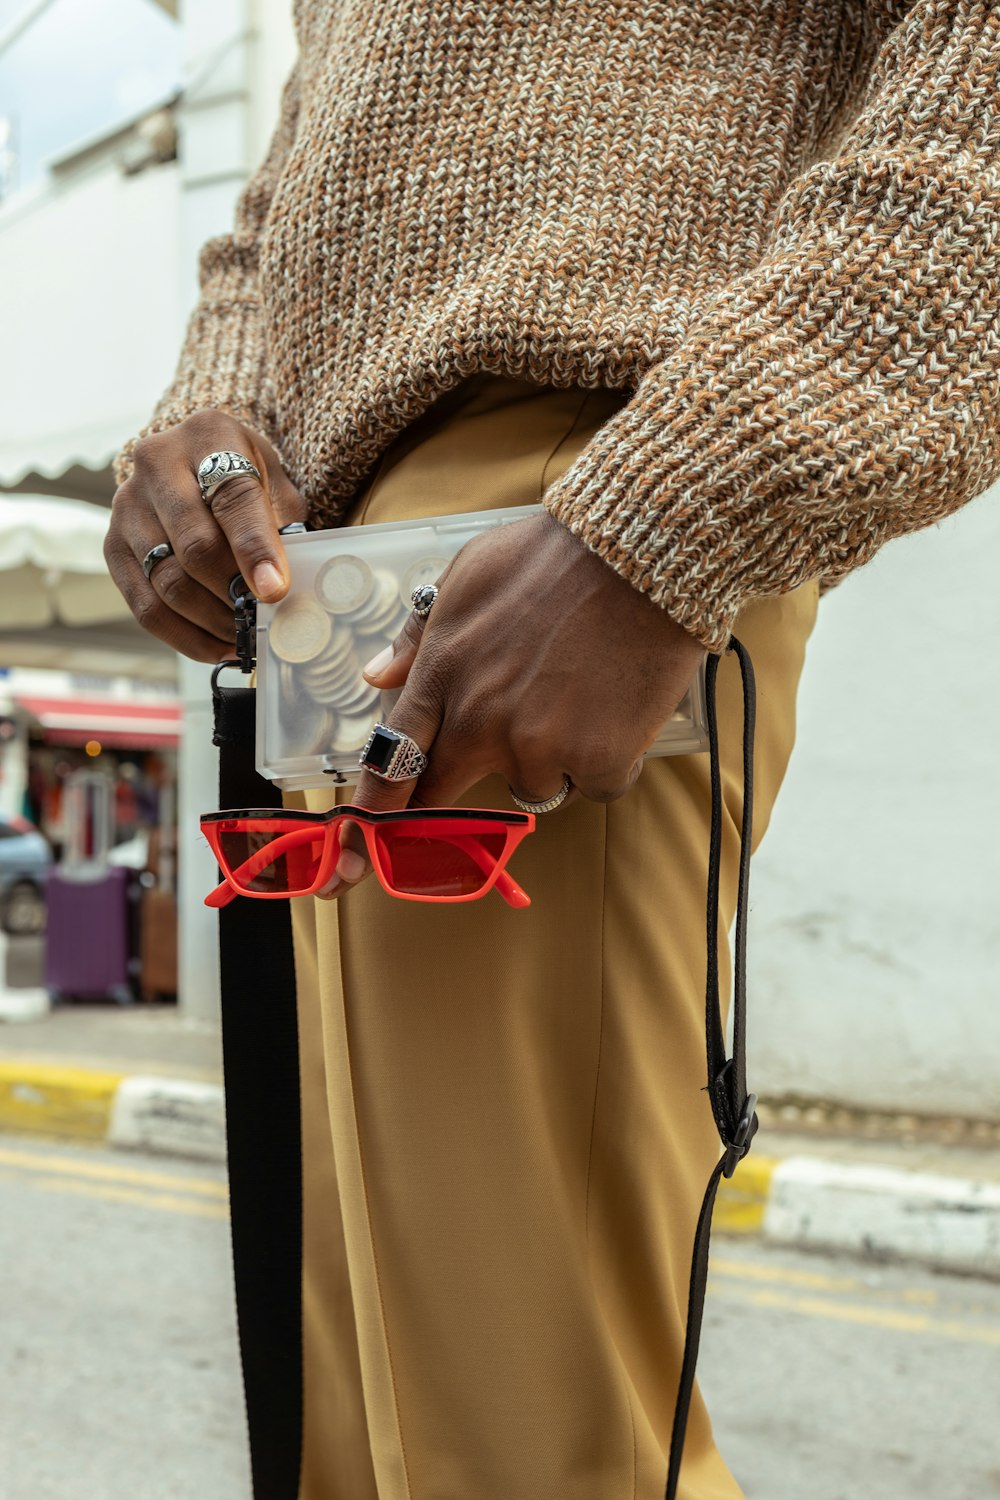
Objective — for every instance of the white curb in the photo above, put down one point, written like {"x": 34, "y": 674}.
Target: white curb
{"x": 882, "y": 1212}
{"x": 174, "y": 1116}
{"x": 16, "y": 1003}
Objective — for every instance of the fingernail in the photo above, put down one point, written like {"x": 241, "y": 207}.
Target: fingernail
{"x": 378, "y": 663}
{"x": 330, "y": 890}
{"x": 266, "y": 580}
{"x": 350, "y": 865}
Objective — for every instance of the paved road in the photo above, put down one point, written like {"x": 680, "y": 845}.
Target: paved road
{"x": 119, "y": 1378}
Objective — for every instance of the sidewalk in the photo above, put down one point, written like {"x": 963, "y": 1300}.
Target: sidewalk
{"x": 884, "y": 1187}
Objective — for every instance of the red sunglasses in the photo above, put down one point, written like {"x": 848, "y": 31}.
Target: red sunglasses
{"x": 420, "y": 854}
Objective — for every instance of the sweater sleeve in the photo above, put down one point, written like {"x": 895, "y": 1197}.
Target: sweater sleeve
{"x": 223, "y": 359}
{"x": 846, "y": 389}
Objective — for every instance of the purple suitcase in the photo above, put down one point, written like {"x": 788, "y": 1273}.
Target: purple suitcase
{"x": 89, "y": 944}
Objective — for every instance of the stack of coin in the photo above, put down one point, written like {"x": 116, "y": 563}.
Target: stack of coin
{"x": 322, "y": 641}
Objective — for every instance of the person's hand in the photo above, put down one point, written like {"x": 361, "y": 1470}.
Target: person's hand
{"x": 186, "y": 599}
{"x": 536, "y": 661}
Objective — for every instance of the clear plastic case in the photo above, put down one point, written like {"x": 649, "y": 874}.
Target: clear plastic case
{"x": 349, "y": 595}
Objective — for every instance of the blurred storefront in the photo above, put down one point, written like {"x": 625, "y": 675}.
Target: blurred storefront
{"x": 127, "y": 729}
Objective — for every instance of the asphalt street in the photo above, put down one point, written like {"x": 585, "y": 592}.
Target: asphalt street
{"x": 119, "y": 1374}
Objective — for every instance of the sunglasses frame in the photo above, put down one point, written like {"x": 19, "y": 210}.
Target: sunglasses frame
{"x": 516, "y": 824}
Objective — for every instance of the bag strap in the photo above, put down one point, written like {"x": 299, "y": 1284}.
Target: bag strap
{"x": 261, "y": 1068}
{"x": 733, "y": 1108}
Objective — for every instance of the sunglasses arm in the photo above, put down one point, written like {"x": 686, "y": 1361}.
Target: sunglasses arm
{"x": 505, "y": 885}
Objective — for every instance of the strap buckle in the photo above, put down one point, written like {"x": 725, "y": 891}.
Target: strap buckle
{"x": 745, "y": 1131}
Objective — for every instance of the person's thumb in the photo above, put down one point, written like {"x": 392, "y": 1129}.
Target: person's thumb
{"x": 391, "y": 667}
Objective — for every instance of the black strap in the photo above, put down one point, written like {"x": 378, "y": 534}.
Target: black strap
{"x": 261, "y": 1066}
{"x": 733, "y": 1108}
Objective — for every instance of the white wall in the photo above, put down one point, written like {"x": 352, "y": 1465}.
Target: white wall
{"x": 88, "y": 315}
{"x": 875, "y": 926}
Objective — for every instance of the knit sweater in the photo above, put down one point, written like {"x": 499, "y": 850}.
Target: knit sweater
{"x": 775, "y": 225}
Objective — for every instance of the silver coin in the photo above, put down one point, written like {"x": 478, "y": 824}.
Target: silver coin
{"x": 352, "y": 730}
{"x": 309, "y": 732}
{"x": 360, "y": 699}
{"x": 424, "y": 570}
{"x": 344, "y": 584}
{"x": 300, "y": 630}
{"x": 338, "y": 694}
{"x": 335, "y": 677}
{"x": 342, "y": 657}
{"x": 382, "y": 608}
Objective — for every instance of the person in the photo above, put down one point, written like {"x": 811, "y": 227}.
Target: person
{"x": 718, "y": 285}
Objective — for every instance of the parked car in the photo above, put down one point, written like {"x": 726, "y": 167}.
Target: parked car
{"x": 25, "y": 859}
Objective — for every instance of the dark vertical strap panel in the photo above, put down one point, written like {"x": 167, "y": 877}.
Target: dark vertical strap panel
{"x": 261, "y": 1064}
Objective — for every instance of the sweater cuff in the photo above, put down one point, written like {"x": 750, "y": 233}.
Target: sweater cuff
{"x": 637, "y": 497}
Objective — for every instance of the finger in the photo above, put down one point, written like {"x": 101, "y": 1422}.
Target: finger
{"x": 449, "y": 775}
{"x": 156, "y": 617}
{"x": 418, "y": 715}
{"x": 239, "y": 532}
{"x": 250, "y": 512}
{"x": 178, "y": 590}
{"x": 606, "y": 785}
{"x": 391, "y": 667}
{"x": 163, "y": 494}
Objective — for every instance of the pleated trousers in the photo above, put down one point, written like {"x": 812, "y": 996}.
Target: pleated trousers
{"x": 505, "y": 1135}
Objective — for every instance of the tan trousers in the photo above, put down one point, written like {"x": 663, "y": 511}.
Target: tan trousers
{"x": 505, "y": 1139}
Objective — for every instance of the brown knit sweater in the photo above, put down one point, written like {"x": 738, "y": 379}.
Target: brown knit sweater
{"x": 775, "y": 222}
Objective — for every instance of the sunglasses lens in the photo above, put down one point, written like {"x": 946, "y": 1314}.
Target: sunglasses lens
{"x": 434, "y": 857}
{"x": 270, "y": 861}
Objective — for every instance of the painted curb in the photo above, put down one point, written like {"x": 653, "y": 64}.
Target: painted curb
{"x": 884, "y": 1213}
{"x": 53, "y": 1099}
{"x": 798, "y": 1201}
{"x": 169, "y": 1116}
{"x": 172, "y": 1116}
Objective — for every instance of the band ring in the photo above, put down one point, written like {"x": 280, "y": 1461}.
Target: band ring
{"x": 392, "y": 756}
{"x": 216, "y": 468}
{"x": 154, "y": 555}
{"x": 549, "y": 805}
{"x": 423, "y": 598}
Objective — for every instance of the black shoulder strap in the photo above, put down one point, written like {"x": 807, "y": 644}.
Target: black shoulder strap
{"x": 261, "y": 1066}
{"x": 734, "y": 1109}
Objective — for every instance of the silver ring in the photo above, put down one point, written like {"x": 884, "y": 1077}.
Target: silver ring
{"x": 156, "y": 554}
{"x": 392, "y": 756}
{"x": 550, "y": 803}
{"x": 216, "y": 468}
{"x": 422, "y": 598}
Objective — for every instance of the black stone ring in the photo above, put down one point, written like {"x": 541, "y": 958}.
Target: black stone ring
{"x": 422, "y": 598}
{"x": 392, "y": 756}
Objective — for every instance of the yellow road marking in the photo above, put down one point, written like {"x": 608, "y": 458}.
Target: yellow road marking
{"x": 815, "y": 1281}
{"x": 164, "y": 1202}
{"x": 77, "y": 1167}
{"x": 876, "y": 1317}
